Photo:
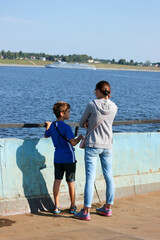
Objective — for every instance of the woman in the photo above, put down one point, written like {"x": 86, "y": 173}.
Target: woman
{"x": 98, "y": 115}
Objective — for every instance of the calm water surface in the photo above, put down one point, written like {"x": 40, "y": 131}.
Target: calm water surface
{"x": 28, "y": 94}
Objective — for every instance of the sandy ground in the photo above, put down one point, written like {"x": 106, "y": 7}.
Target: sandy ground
{"x": 133, "y": 218}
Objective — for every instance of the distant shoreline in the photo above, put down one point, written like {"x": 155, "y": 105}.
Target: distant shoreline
{"x": 99, "y": 68}
{"x": 128, "y": 69}
{"x": 21, "y": 65}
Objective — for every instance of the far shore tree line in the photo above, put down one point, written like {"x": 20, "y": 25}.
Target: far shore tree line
{"x": 81, "y": 58}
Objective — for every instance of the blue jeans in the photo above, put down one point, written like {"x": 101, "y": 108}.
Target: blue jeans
{"x": 91, "y": 155}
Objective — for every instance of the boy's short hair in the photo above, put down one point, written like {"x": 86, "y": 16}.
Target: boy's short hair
{"x": 60, "y": 107}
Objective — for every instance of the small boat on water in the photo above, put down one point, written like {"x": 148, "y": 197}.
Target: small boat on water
{"x": 70, "y": 65}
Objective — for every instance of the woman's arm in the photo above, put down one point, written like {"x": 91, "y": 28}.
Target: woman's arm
{"x": 85, "y": 116}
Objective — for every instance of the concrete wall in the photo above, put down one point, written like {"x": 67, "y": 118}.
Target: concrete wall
{"x": 27, "y": 172}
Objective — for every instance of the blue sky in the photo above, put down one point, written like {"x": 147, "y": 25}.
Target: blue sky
{"x": 106, "y": 29}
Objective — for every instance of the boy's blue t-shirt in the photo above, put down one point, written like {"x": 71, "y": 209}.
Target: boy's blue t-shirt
{"x": 64, "y": 152}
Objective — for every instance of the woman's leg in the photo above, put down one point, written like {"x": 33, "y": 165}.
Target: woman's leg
{"x": 91, "y": 155}
{"x": 106, "y": 162}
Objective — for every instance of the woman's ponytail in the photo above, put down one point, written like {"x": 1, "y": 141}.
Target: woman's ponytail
{"x": 104, "y": 87}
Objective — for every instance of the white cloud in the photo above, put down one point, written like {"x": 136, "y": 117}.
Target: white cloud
{"x": 15, "y": 20}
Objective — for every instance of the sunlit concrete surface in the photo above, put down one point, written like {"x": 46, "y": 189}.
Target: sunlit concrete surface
{"x": 134, "y": 218}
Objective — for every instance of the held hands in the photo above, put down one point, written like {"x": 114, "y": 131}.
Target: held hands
{"x": 75, "y": 141}
{"x": 81, "y": 137}
{"x": 86, "y": 124}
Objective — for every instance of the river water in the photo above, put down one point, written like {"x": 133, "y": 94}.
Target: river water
{"x": 28, "y": 94}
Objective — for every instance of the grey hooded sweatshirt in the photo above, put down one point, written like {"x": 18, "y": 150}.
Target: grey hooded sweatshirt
{"x": 101, "y": 137}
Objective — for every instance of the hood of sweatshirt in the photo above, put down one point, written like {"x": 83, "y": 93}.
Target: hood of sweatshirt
{"x": 104, "y": 105}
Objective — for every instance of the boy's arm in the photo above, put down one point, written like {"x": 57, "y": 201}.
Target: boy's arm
{"x": 75, "y": 141}
{"x": 47, "y": 124}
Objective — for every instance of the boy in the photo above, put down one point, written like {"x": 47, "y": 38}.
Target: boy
{"x": 64, "y": 157}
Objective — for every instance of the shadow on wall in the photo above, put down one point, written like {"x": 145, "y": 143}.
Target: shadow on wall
{"x": 31, "y": 162}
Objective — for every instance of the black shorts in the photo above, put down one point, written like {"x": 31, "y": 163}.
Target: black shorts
{"x": 68, "y": 168}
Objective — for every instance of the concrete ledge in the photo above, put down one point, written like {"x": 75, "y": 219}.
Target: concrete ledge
{"x": 27, "y": 173}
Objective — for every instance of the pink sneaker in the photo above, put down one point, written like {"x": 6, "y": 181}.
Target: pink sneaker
{"x": 80, "y": 215}
{"x": 104, "y": 211}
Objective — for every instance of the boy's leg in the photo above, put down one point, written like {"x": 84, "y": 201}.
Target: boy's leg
{"x": 71, "y": 193}
{"x": 70, "y": 178}
{"x": 59, "y": 172}
{"x": 56, "y": 192}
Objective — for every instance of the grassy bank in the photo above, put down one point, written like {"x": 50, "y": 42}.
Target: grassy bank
{"x": 24, "y": 62}
{"x": 126, "y": 67}
{"x": 97, "y": 65}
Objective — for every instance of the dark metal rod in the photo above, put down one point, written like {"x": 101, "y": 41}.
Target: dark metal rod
{"x": 21, "y": 125}
{"x": 130, "y": 122}
{"x": 76, "y": 131}
{"x": 76, "y": 124}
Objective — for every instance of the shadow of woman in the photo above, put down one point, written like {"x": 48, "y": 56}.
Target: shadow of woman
{"x": 31, "y": 162}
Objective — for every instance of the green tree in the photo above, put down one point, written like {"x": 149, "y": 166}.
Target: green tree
{"x": 20, "y": 54}
{"x": 131, "y": 62}
{"x": 4, "y": 54}
{"x": 9, "y": 55}
{"x": 113, "y": 61}
{"x": 63, "y": 58}
{"x": 122, "y": 61}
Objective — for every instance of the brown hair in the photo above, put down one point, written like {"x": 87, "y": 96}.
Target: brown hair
{"x": 60, "y": 107}
{"x": 104, "y": 87}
